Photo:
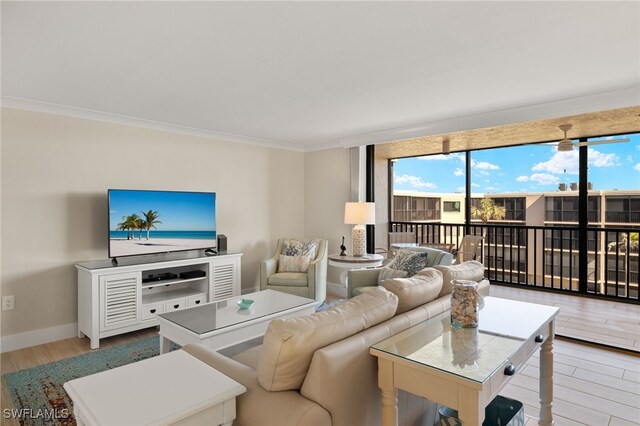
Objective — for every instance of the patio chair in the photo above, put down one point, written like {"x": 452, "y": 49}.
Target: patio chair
{"x": 470, "y": 248}
{"x": 400, "y": 237}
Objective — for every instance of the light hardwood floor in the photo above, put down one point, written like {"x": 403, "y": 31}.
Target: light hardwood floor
{"x": 592, "y": 385}
{"x": 606, "y": 322}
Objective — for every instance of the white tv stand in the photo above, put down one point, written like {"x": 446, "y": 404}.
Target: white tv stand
{"x": 118, "y": 299}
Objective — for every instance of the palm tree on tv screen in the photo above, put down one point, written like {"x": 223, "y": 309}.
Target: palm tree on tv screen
{"x": 150, "y": 220}
{"x": 132, "y": 222}
{"x": 122, "y": 226}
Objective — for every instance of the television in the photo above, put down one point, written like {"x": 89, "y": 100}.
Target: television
{"x": 150, "y": 222}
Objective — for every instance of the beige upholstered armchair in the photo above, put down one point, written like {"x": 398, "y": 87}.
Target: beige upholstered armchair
{"x": 311, "y": 283}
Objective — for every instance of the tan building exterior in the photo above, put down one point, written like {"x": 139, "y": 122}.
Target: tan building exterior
{"x": 537, "y": 241}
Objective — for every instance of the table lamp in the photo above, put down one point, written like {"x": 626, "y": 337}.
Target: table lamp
{"x": 359, "y": 214}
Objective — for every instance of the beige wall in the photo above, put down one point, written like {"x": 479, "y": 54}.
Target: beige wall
{"x": 56, "y": 171}
{"x": 327, "y": 177}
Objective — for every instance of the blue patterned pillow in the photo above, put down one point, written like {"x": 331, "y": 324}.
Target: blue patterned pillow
{"x": 291, "y": 247}
{"x": 410, "y": 261}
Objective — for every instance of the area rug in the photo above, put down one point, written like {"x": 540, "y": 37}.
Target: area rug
{"x": 38, "y": 396}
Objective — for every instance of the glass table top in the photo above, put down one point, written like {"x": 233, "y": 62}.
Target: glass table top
{"x": 226, "y": 313}
{"x": 471, "y": 353}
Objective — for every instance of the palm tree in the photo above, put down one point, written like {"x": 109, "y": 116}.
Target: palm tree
{"x": 150, "y": 220}
{"x": 628, "y": 243}
{"x": 488, "y": 211}
{"x": 131, "y": 222}
{"x": 122, "y": 226}
{"x": 139, "y": 226}
{"x": 142, "y": 224}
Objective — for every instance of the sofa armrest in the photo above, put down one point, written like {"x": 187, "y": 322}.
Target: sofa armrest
{"x": 317, "y": 273}
{"x": 362, "y": 278}
{"x": 267, "y": 268}
{"x": 258, "y": 406}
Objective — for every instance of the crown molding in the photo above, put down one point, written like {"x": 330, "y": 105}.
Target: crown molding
{"x": 619, "y": 98}
{"x": 49, "y": 108}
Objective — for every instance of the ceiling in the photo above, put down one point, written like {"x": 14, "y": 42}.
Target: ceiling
{"x": 602, "y": 123}
{"x": 314, "y": 75}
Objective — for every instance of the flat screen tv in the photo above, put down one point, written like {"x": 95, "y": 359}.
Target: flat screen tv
{"x": 151, "y": 222}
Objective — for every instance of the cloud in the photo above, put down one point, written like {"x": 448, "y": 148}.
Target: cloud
{"x": 458, "y": 172}
{"x": 544, "y": 178}
{"x": 414, "y": 181}
{"x": 560, "y": 162}
{"x": 490, "y": 188}
{"x": 475, "y": 185}
{"x": 460, "y": 189}
{"x": 522, "y": 178}
{"x": 483, "y": 165}
{"x": 637, "y": 167}
{"x": 568, "y": 162}
{"x": 599, "y": 159}
{"x": 442, "y": 157}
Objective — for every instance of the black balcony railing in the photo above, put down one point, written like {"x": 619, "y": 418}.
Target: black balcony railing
{"x": 570, "y": 216}
{"x": 623, "y": 217}
{"x": 547, "y": 256}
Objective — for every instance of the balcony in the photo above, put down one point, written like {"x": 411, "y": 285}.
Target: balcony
{"x": 546, "y": 257}
{"x": 623, "y": 217}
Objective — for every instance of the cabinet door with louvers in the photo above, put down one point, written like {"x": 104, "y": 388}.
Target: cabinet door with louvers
{"x": 119, "y": 300}
{"x": 224, "y": 280}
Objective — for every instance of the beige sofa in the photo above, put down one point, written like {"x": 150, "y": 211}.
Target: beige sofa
{"x": 339, "y": 384}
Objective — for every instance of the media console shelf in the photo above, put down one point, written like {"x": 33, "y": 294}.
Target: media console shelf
{"x": 118, "y": 299}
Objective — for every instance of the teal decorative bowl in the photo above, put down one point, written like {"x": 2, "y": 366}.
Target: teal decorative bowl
{"x": 245, "y": 303}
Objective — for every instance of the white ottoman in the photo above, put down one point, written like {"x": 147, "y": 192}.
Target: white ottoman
{"x": 173, "y": 388}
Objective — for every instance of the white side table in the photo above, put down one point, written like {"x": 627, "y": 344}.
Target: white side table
{"x": 170, "y": 388}
{"x": 354, "y": 262}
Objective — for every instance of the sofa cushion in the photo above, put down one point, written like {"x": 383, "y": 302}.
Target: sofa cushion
{"x": 289, "y": 343}
{"x": 386, "y": 273}
{"x": 289, "y": 279}
{"x": 293, "y": 247}
{"x": 410, "y": 261}
{"x": 294, "y": 263}
{"x": 417, "y": 290}
{"x": 471, "y": 270}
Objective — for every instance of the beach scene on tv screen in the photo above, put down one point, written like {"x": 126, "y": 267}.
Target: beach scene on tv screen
{"x": 147, "y": 222}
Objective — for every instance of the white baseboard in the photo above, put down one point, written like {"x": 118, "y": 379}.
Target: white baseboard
{"x": 38, "y": 337}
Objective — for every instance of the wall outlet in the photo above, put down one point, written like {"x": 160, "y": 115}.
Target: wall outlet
{"x": 8, "y": 303}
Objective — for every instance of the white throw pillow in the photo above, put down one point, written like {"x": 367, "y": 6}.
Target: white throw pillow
{"x": 387, "y": 273}
{"x": 417, "y": 290}
{"x": 294, "y": 263}
{"x": 471, "y": 270}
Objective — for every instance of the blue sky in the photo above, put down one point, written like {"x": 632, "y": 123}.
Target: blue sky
{"x": 527, "y": 168}
{"x": 179, "y": 211}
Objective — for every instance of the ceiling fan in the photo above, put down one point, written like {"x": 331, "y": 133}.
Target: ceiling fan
{"x": 565, "y": 144}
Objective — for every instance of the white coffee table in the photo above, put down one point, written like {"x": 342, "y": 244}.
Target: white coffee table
{"x": 166, "y": 389}
{"x": 465, "y": 369}
{"x": 218, "y": 325}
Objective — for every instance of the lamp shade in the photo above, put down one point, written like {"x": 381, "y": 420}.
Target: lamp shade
{"x": 359, "y": 213}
